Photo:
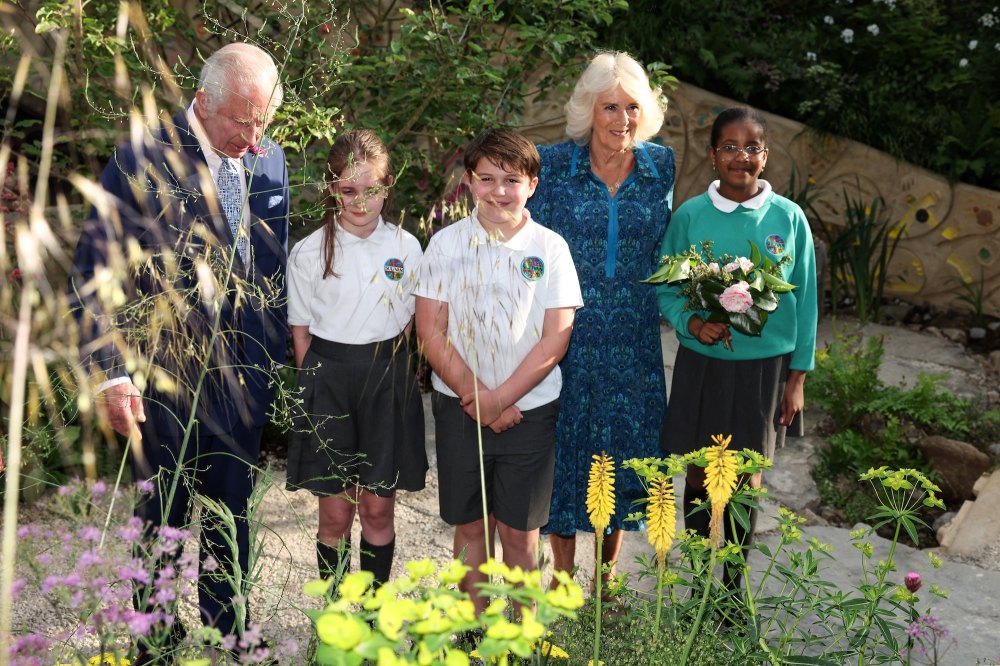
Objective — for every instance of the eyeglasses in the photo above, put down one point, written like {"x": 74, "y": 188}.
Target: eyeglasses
{"x": 731, "y": 150}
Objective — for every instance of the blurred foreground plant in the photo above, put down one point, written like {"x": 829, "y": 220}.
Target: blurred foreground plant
{"x": 785, "y": 611}
{"x": 417, "y": 618}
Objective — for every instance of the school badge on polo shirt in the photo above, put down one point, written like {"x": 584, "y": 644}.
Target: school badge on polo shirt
{"x": 532, "y": 268}
{"x": 775, "y": 244}
{"x": 393, "y": 269}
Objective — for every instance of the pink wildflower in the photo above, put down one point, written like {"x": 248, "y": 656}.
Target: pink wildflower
{"x": 912, "y": 581}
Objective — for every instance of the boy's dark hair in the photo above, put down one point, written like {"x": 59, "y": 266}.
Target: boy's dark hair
{"x": 506, "y": 148}
{"x": 736, "y": 114}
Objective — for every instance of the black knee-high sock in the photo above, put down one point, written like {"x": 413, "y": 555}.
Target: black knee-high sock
{"x": 329, "y": 559}
{"x": 698, "y": 522}
{"x": 378, "y": 560}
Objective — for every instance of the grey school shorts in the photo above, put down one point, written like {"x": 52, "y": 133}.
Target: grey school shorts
{"x": 518, "y": 464}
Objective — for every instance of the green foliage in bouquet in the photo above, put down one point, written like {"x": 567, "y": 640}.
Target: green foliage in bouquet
{"x": 739, "y": 291}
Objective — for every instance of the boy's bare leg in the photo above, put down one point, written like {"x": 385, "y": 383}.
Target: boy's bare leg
{"x": 520, "y": 549}
{"x": 469, "y": 540}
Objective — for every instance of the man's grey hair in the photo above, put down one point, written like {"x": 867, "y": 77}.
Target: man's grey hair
{"x": 237, "y": 69}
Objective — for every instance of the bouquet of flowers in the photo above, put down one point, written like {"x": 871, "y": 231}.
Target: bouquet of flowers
{"x": 739, "y": 291}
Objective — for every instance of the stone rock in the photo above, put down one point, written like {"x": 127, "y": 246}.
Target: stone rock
{"x": 943, "y": 520}
{"x": 995, "y": 359}
{"x": 994, "y": 450}
{"x": 958, "y": 466}
{"x": 933, "y": 330}
{"x": 812, "y": 518}
{"x": 954, "y": 334}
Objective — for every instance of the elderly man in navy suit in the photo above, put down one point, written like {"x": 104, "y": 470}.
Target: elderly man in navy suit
{"x": 191, "y": 235}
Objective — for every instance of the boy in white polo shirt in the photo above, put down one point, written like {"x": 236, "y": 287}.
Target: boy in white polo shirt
{"x": 496, "y": 298}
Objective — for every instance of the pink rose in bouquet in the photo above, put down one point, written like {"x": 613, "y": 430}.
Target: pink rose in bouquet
{"x": 736, "y": 297}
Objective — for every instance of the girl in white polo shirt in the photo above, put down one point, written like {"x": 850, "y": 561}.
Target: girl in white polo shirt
{"x": 360, "y": 434}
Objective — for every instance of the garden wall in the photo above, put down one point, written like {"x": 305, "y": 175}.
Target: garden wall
{"x": 951, "y": 233}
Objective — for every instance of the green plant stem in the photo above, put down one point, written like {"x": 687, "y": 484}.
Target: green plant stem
{"x": 599, "y": 541}
{"x": 873, "y": 605}
{"x": 12, "y": 488}
{"x": 482, "y": 471}
{"x": 659, "y": 595}
{"x": 689, "y": 644}
{"x": 118, "y": 484}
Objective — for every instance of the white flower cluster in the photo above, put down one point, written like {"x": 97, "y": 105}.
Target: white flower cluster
{"x": 811, "y": 56}
{"x": 990, "y": 19}
{"x": 847, "y": 35}
{"x": 828, "y": 19}
{"x": 873, "y": 28}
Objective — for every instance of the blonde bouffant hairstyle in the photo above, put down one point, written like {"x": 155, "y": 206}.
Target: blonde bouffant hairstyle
{"x": 605, "y": 73}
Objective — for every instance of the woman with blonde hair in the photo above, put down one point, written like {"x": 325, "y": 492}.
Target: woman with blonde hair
{"x": 608, "y": 191}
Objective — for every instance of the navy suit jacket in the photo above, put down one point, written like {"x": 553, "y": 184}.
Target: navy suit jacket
{"x": 216, "y": 338}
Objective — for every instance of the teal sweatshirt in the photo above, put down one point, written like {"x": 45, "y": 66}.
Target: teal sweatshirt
{"x": 778, "y": 228}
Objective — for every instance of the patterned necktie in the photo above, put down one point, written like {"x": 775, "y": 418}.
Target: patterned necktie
{"x": 231, "y": 199}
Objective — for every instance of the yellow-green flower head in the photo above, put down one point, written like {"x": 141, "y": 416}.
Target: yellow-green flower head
{"x": 601, "y": 491}
{"x": 497, "y": 607}
{"x": 492, "y": 567}
{"x": 568, "y": 596}
{"x": 342, "y": 630}
{"x": 453, "y": 572}
{"x": 455, "y": 657}
{"x": 720, "y": 482}
{"x": 386, "y": 657}
{"x": 316, "y": 589}
{"x": 420, "y": 569}
{"x": 463, "y": 611}
{"x": 503, "y": 630}
{"x": 435, "y": 624}
{"x": 661, "y": 517}
{"x": 392, "y": 616}
{"x": 531, "y": 628}
{"x": 354, "y": 585}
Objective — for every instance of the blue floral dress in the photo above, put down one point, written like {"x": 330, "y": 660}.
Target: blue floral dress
{"x": 613, "y": 396}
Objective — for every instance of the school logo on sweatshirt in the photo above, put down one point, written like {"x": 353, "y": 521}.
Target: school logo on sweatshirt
{"x": 775, "y": 244}
{"x": 393, "y": 269}
{"x": 532, "y": 268}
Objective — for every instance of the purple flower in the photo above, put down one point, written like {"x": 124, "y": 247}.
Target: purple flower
{"x": 736, "y": 297}
{"x": 16, "y": 587}
{"x": 130, "y": 531}
{"x": 88, "y": 559}
{"x": 912, "y": 581}
{"x": 145, "y": 486}
{"x": 164, "y": 596}
{"x": 210, "y": 564}
{"x": 98, "y": 489}
{"x": 89, "y": 533}
{"x": 140, "y": 624}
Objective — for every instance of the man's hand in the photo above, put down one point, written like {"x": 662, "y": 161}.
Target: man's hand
{"x": 123, "y": 406}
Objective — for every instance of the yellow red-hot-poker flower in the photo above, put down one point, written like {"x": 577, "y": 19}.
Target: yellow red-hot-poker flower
{"x": 661, "y": 517}
{"x": 720, "y": 482}
{"x": 601, "y": 491}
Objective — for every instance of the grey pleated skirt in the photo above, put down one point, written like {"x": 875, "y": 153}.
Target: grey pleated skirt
{"x": 739, "y": 398}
